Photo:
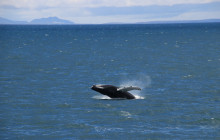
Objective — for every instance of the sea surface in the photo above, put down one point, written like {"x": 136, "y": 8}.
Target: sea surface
{"x": 46, "y": 73}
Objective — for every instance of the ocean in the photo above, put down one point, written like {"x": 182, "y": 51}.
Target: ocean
{"x": 46, "y": 72}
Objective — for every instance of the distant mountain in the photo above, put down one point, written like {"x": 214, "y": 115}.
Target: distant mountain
{"x": 56, "y": 20}
{"x": 50, "y": 20}
{"x": 7, "y": 21}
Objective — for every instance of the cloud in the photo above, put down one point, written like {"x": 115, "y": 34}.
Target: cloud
{"x": 156, "y": 10}
{"x": 35, "y": 4}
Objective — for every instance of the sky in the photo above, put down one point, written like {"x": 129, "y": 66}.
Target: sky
{"x": 110, "y": 11}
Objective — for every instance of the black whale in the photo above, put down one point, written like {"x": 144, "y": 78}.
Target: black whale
{"x": 115, "y": 92}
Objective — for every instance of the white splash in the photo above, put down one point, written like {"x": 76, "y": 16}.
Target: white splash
{"x": 138, "y": 97}
{"x": 101, "y": 97}
{"x": 142, "y": 81}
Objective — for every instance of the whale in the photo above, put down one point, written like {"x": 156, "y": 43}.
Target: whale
{"x": 115, "y": 92}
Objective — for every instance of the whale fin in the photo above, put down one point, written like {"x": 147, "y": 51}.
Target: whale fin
{"x": 128, "y": 88}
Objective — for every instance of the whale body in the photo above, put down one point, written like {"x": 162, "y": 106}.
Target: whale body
{"x": 114, "y": 91}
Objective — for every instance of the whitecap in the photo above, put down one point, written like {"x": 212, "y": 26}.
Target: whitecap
{"x": 125, "y": 113}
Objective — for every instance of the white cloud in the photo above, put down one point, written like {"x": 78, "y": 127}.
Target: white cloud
{"x": 35, "y": 4}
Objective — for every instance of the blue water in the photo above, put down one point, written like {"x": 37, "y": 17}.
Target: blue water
{"x": 46, "y": 73}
